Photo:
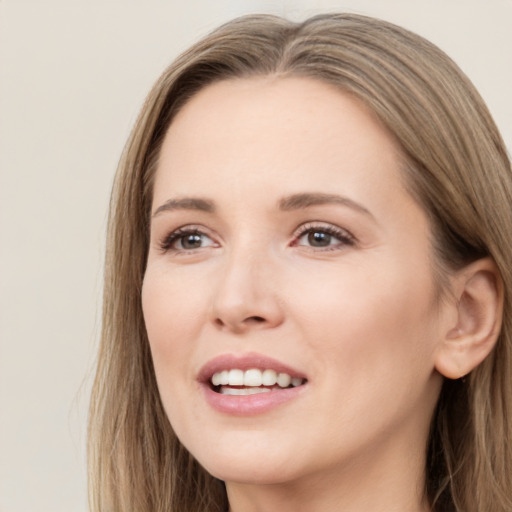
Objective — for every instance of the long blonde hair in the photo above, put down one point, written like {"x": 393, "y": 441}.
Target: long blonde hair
{"x": 455, "y": 165}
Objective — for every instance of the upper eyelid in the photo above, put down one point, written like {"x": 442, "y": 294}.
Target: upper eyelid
{"x": 298, "y": 232}
{"x": 319, "y": 225}
{"x": 165, "y": 241}
{"x": 187, "y": 228}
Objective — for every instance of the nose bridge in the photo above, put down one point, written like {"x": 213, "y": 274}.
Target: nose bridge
{"x": 246, "y": 296}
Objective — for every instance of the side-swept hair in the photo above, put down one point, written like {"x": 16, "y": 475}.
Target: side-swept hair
{"x": 455, "y": 165}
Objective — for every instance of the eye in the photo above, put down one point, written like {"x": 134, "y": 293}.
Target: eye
{"x": 323, "y": 237}
{"x": 186, "y": 239}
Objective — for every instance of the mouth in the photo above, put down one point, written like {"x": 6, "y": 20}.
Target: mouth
{"x": 250, "y": 383}
{"x": 237, "y": 382}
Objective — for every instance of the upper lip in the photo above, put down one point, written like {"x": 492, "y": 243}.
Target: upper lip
{"x": 245, "y": 361}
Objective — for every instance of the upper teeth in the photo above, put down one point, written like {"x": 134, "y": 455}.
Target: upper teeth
{"x": 254, "y": 377}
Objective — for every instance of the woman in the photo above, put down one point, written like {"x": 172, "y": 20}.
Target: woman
{"x": 307, "y": 298}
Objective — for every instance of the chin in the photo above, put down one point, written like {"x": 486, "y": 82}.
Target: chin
{"x": 244, "y": 472}
{"x": 245, "y": 460}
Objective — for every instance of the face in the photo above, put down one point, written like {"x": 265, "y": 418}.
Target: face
{"x": 285, "y": 246}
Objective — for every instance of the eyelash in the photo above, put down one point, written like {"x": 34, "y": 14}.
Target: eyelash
{"x": 344, "y": 237}
{"x": 167, "y": 243}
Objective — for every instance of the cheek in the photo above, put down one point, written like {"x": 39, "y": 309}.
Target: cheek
{"x": 372, "y": 350}
{"x": 368, "y": 321}
{"x": 173, "y": 305}
{"x": 171, "y": 317}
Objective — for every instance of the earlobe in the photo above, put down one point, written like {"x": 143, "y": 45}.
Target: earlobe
{"x": 478, "y": 300}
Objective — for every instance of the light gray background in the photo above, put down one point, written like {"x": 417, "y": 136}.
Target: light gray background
{"x": 72, "y": 78}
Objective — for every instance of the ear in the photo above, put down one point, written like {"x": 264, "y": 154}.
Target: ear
{"x": 478, "y": 306}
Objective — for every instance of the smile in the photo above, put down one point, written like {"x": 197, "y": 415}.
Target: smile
{"x": 237, "y": 382}
{"x": 248, "y": 384}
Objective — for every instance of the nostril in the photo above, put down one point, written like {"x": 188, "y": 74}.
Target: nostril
{"x": 241, "y": 324}
{"x": 255, "y": 319}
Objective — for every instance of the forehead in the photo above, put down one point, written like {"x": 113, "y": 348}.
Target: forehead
{"x": 274, "y": 133}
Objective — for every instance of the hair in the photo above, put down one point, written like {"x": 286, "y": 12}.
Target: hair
{"x": 455, "y": 165}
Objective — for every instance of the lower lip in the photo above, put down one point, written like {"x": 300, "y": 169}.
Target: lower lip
{"x": 249, "y": 405}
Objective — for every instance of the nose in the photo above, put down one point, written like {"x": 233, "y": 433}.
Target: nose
{"x": 246, "y": 297}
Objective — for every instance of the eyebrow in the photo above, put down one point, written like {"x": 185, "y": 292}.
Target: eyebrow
{"x": 288, "y": 203}
{"x": 304, "y": 200}
{"x": 186, "y": 203}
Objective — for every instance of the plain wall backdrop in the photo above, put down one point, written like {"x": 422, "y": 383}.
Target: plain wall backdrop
{"x": 73, "y": 75}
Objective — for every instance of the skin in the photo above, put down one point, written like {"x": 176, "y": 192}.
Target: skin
{"x": 360, "y": 318}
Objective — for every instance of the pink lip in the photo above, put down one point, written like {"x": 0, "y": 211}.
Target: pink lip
{"x": 251, "y": 404}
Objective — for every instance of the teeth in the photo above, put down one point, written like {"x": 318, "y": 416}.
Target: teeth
{"x": 224, "y": 378}
{"x": 284, "y": 380}
{"x": 254, "y": 378}
{"x": 269, "y": 377}
{"x": 216, "y": 379}
{"x": 236, "y": 378}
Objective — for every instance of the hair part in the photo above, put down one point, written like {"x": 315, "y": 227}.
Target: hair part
{"x": 454, "y": 164}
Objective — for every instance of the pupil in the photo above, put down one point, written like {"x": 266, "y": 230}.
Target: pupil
{"x": 319, "y": 239}
{"x": 191, "y": 241}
